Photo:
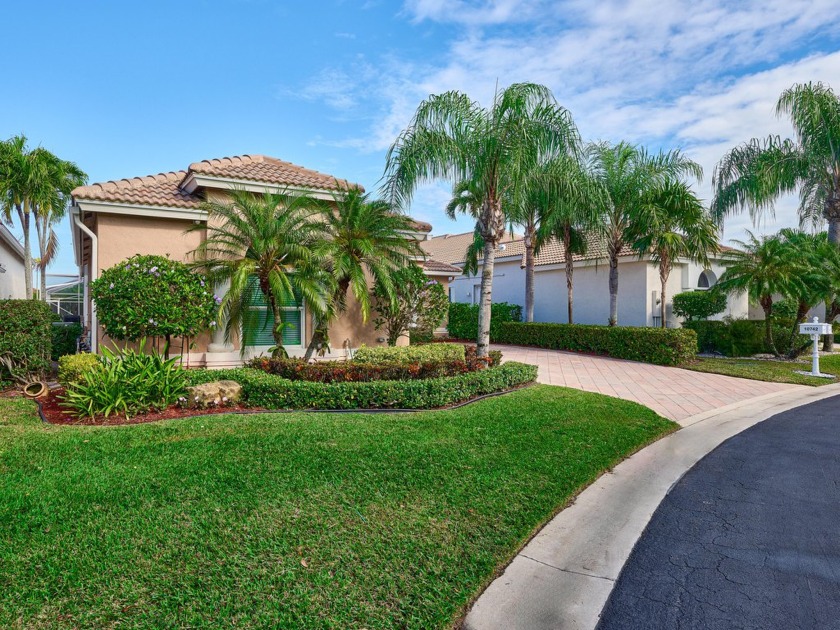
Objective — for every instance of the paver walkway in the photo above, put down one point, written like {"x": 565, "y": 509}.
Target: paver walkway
{"x": 672, "y": 392}
{"x": 747, "y": 538}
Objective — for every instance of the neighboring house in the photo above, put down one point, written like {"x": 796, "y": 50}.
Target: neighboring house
{"x": 114, "y": 220}
{"x": 12, "y": 272}
{"x": 638, "y": 288}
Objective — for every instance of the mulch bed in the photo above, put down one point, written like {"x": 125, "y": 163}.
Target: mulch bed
{"x": 55, "y": 414}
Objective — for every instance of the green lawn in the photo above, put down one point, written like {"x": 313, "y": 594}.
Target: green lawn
{"x": 290, "y": 520}
{"x": 774, "y": 371}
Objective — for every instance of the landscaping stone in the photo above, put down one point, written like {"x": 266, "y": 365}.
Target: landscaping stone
{"x": 214, "y": 393}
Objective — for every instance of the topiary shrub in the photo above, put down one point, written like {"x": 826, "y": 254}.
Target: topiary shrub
{"x": 411, "y": 354}
{"x": 152, "y": 296}
{"x": 26, "y": 332}
{"x": 463, "y": 319}
{"x": 695, "y": 305}
{"x": 662, "y": 346}
{"x": 72, "y": 366}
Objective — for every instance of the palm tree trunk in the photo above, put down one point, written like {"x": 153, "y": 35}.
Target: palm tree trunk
{"x": 277, "y": 329}
{"x": 767, "y": 306}
{"x": 664, "y": 272}
{"x": 43, "y": 235}
{"x": 483, "y": 341}
{"x": 613, "y": 248}
{"x": 570, "y": 269}
{"x": 801, "y": 312}
{"x": 529, "y": 273}
{"x": 25, "y": 216}
{"x": 832, "y": 311}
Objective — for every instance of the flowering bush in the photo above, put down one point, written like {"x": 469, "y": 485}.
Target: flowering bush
{"x": 153, "y": 296}
{"x": 419, "y": 305}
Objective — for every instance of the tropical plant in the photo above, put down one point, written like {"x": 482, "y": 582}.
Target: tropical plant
{"x": 268, "y": 243}
{"x": 628, "y": 175}
{"x": 752, "y": 176}
{"x": 365, "y": 239}
{"x": 412, "y": 303}
{"x": 16, "y": 177}
{"x": 55, "y": 181}
{"x": 762, "y": 267}
{"x": 153, "y": 296}
{"x": 699, "y": 305}
{"x": 673, "y": 224}
{"x": 452, "y": 137}
{"x": 570, "y": 200}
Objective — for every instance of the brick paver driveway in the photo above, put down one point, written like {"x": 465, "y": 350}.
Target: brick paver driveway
{"x": 673, "y": 393}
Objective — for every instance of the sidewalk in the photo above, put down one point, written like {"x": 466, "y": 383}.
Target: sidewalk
{"x": 563, "y": 577}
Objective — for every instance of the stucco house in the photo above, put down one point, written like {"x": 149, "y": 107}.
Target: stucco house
{"x": 12, "y": 272}
{"x": 638, "y": 290}
{"x": 114, "y": 220}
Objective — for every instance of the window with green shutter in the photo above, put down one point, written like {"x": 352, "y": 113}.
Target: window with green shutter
{"x": 259, "y": 321}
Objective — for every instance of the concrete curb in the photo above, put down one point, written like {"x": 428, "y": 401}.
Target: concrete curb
{"x": 563, "y": 577}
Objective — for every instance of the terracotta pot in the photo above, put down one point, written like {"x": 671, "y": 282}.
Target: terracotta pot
{"x": 35, "y": 389}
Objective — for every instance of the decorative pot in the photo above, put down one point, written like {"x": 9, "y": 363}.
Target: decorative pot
{"x": 35, "y": 389}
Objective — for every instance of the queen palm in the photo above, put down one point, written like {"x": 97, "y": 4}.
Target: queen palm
{"x": 452, "y": 137}
{"x": 268, "y": 242}
{"x": 754, "y": 175}
{"x": 673, "y": 224}
{"x": 365, "y": 239}
{"x": 762, "y": 267}
{"x": 627, "y": 175}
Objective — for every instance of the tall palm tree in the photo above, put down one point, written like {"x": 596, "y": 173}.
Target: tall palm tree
{"x": 364, "y": 238}
{"x": 754, "y": 175}
{"x": 762, "y": 268}
{"x": 272, "y": 241}
{"x": 55, "y": 180}
{"x": 674, "y": 224}
{"x": 452, "y": 137}
{"x": 17, "y": 174}
{"x": 627, "y": 174}
{"x": 570, "y": 200}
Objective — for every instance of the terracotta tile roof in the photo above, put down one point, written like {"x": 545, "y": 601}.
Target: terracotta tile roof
{"x": 165, "y": 189}
{"x": 269, "y": 170}
{"x": 452, "y": 248}
{"x": 435, "y": 266}
{"x": 596, "y": 249}
{"x": 421, "y": 226}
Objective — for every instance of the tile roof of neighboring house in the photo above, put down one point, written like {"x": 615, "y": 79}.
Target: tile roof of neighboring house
{"x": 452, "y": 248}
{"x": 165, "y": 189}
{"x": 435, "y": 266}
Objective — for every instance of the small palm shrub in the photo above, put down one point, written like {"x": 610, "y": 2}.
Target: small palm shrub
{"x": 128, "y": 383}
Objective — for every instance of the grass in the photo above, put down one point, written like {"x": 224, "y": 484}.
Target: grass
{"x": 773, "y": 371}
{"x": 290, "y": 520}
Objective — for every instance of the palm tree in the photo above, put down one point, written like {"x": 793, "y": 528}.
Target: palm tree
{"x": 53, "y": 185}
{"x": 16, "y": 183}
{"x": 365, "y": 238}
{"x": 269, "y": 242}
{"x": 762, "y": 268}
{"x": 754, "y": 175}
{"x": 674, "y": 224}
{"x": 452, "y": 137}
{"x": 627, "y": 175}
{"x": 570, "y": 200}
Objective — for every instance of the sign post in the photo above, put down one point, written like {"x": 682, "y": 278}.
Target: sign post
{"x": 815, "y": 329}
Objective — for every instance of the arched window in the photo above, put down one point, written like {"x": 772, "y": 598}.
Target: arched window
{"x": 707, "y": 279}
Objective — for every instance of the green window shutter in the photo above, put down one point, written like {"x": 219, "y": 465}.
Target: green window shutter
{"x": 259, "y": 321}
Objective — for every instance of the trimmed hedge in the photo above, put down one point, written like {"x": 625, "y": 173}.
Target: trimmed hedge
{"x": 71, "y": 367}
{"x": 410, "y": 354}
{"x": 273, "y": 392}
{"x": 26, "y": 334}
{"x": 742, "y": 337}
{"x": 661, "y": 346}
{"x": 695, "y": 305}
{"x": 463, "y": 319}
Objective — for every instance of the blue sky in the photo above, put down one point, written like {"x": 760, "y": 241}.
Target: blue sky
{"x": 128, "y": 89}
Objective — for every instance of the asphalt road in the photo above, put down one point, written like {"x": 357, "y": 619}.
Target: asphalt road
{"x": 748, "y": 538}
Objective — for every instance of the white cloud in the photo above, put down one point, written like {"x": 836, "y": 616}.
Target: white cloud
{"x": 703, "y": 75}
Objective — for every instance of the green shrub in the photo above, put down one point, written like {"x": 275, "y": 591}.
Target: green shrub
{"x": 411, "y": 354}
{"x": 153, "y": 296}
{"x": 415, "y": 305}
{"x": 26, "y": 336}
{"x": 463, "y": 319}
{"x": 742, "y": 337}
{"x": 273, "y": 392}
{"x": 64, "y": 338}
{"x": 694, "y": 305}
{"x": 72, "y": 366}
{"x": 129, "y": 383}
{"x": 356, "y": 372}
{"x": 662, "y": 346}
